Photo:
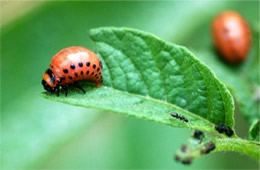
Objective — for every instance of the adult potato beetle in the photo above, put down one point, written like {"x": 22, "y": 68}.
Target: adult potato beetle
{"x": 69, "y": 66}
{"x": 232, "y": 36}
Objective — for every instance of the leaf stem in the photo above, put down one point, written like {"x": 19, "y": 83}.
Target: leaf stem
{"x": 246, "y": 147}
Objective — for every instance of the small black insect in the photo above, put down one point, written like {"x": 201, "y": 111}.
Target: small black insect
{"x": 208, "y": 147}
{"x": 198, "y": 135}
{"x": 221, "y": 128}
{"x": 184, "y": 148}
{"x": 177, "y": 116}
{"x": 187, "y": 161}
{"x": 177, "y": 157}
{"x": 229, "y": 131}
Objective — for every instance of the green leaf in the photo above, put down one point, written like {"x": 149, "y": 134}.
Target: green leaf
{"x": 254, "y": 133}
{"x": 238, "y": 85}
{"x": 148, "y": 78}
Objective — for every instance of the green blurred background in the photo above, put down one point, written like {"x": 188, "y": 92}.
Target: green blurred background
{"x": 37, "y": 133}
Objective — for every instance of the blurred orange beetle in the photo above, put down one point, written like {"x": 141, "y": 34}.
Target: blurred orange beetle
{"x": 232, "y": 36}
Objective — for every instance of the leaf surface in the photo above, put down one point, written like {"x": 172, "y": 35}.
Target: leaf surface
{"x": 148, "y": 78}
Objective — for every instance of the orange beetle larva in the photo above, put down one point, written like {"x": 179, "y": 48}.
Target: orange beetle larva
{"x": 232, "y": 36}
{"x": 71, "y": 65}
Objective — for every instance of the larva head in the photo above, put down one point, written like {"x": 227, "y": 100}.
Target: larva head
{"x": 48, "y": 81}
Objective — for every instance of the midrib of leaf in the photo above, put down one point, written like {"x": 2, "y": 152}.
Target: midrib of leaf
{"x": 164, "y": 117}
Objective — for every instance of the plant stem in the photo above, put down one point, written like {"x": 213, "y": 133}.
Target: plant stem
{"x": 246, "y": 147}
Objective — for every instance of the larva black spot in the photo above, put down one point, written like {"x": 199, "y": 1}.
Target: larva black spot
{"x": 65, "y": 70}
{"x": 87, "y": 72}
{"x": 94, "y": 66}
{"x": 49, "y": 72}
{"x": 76, "y": 74}
{"x": 81, "y": 73}
{"x": 88, "y": 64}
{"x": 80, "y": 64}
{"x": 72, "y": 66}
{"x": 70, "y": 77}
{"x": 98, "y": 69}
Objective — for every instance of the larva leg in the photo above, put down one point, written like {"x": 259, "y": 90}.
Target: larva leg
{"x": 57, "y": 90}
{"x": 65, "y": 88}
{"x": 79, "y": 87}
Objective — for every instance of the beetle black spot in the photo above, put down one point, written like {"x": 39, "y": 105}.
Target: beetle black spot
{"x": 76, "y": 74}
{"x": 72, "y": 66}
{"x": 81, "y": 73}
{"x": 98, "y": 69}
{"x": 87, "y": 72}
{"x": 70, "y": 77}
{"x": 80, "y": 64}
{"x": 92, "y": 73}
{"x": 65, "y": 70}
{"x": 63, "y": 78}
{"x": 88, "y": 64}
{"x": 94, "y": 66}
